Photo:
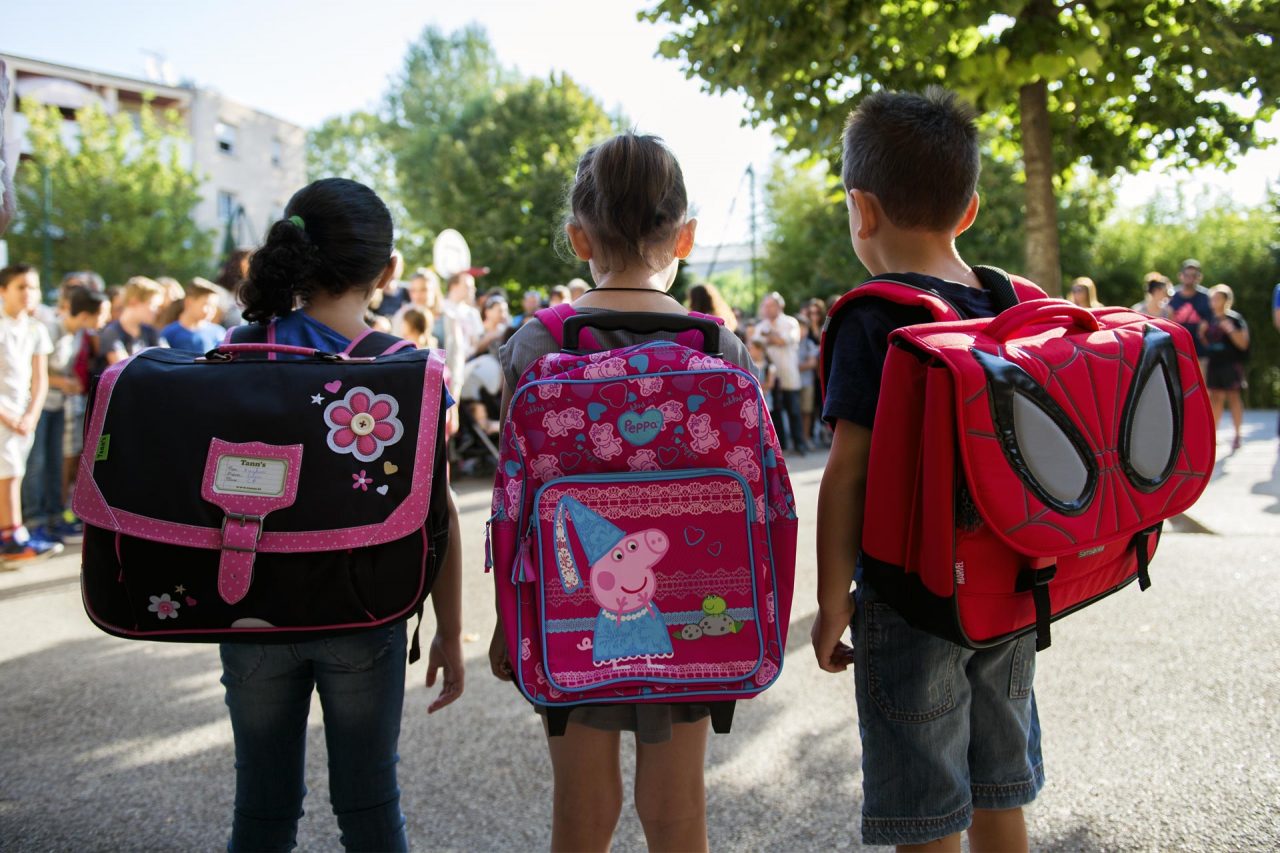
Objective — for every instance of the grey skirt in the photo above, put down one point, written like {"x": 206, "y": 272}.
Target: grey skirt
{"x": 651, "y": 721}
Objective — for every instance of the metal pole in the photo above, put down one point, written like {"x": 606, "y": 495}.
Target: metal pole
{"x": 47, "y": 272}
{"x": 755, "y": 282}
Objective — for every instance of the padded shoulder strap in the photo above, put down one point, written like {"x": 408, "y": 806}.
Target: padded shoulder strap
{"x": 889, "y": 289}
{"x": 372, "y": 344}
{"x": 553, "y": 320}
{"x": 249, "y": 333}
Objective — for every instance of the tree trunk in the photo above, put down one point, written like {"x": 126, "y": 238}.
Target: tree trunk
{"x": 1043, "y": 265}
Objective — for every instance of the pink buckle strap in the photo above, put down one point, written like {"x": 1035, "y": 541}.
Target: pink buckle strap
{"x": 240, "y": 537}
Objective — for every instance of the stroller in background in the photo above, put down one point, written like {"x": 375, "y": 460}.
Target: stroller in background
{"x": 474, "y": 450}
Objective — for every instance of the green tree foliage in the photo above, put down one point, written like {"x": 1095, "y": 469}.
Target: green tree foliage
{"x": 354, "y": 146}
{"x": 120, "y": 198}
{"x": 1237, "y": 246}
{"x": 499, "y": 174}
{"x": 808, "y": 251}
{"x": 1116, "y": 84}
{"x": 462, "y": 142}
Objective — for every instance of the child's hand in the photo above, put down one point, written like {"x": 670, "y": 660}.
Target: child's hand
{"x": 833, "y": 654}
{"x": 26, "y": 424}
{"x": 498, "y": 661}
{"x": 445, "y": 652}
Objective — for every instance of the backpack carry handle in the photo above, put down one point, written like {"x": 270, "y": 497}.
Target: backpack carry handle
{"x": 226, "y": 352}
{"x": 642, "y": 323}
{"x": 1011, "y": 321}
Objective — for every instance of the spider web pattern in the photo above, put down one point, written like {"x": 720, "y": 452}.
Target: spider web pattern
{"x": 1104, "y": 363}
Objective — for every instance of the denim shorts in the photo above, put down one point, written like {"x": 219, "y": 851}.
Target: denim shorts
{"x": 945, "y": 729}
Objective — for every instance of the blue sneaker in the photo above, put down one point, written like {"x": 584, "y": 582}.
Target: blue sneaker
{"x": 43, "y": 533}
{"x": 68, "y": 532}
{"x": 16, "y": 554}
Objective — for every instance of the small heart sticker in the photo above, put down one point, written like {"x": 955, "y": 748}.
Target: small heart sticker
{"x": 191, "y": 602}
{"x": 383, "y": 489}
{"x": 389, "y": 468}
{"x": 332, "y": 387}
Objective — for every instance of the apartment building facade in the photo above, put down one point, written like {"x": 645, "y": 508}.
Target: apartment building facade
{"x": 251, "y": 161}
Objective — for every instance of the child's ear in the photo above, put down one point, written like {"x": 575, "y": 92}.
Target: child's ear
{"x": 579, "y": 240}
{"x": 864, "y": 213}
{"x": 388, "y": 273}
{"x": 970, "y": 214}
{"x": 684, "y": 239}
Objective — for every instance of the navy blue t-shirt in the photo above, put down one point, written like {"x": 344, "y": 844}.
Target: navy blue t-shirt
{"x": 1191, "y": 311}
{"x": 862, "y": 344}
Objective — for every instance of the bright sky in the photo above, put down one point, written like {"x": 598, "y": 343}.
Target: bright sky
{"x": 305, "y": 60}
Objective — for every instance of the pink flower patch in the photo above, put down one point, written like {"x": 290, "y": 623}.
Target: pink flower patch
{"x": 361, "y": 481}
{"x": 363, "y": 424}
{"x": 163, "y": 607}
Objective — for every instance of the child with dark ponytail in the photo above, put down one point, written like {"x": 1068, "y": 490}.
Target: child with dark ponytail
{"x": 309, "y": 285}
{"x": 629, "y": 221}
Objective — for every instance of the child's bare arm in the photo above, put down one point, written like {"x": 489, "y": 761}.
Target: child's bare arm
{"x": 841, "y": 498}
{"x": 39, "y": 390}
{"x": 446, "y": 602}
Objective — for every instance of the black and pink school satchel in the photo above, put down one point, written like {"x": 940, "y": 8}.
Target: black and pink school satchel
{"x": 238, "y": 496}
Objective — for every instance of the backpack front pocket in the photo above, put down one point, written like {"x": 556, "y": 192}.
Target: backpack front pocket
{"x": 648, "y": 578}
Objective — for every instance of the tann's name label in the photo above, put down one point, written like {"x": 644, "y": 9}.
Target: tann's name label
{"x": 250, "y": 475}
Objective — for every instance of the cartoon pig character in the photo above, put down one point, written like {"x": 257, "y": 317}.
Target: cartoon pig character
{"x": 705, "y": 362}
{"x": 549, "y": 390}
{"x": 644, "y": 459}
{"x": 562, "y": 423}
{"x": 546, "y": 466}
{"x": 750, "y": 414}
{"x": 672, "y": 412}
{"x": 620, "y": 580}
{"x": 704, "y": 437}
{"x": 607, "y": 442}
{"x": 649, "y": 385}
{"x": 605, "y": 369}
{"x": 742, "y": 460}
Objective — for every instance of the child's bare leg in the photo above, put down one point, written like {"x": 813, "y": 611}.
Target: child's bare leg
{"x": 588, "y": 788}
{"x": 671, "y": 796}
{"x": 1217, "y": 401}
{"x": 10, "y": 503}
{"x": 949, "y": 844}
{"x": 1236, "y": 402}
{"x": 999, "y": 831}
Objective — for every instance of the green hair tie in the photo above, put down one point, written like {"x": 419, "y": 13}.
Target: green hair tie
{"x": 297, "y": 220}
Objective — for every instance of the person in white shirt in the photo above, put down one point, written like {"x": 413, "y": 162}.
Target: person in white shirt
{"x": 781, "y": 336}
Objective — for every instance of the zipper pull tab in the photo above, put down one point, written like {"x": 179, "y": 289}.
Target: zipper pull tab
{"x": 522, "y": 571}
{"x": 488, "y": 550}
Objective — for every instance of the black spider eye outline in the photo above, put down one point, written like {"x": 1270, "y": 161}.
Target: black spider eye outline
{"x": 1152, "y": 419}
{"x": 1041, "y": 444}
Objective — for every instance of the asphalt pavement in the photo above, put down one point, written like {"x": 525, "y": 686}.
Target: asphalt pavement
{"x": 1161, "y": 716}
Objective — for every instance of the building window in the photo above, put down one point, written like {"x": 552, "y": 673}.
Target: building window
{"x": 277, "y": 153}
{"x": 227, "y": 205}
{"x": 226, "y": 135}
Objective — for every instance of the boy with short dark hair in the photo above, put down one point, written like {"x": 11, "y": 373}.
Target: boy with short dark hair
{"x": 950, "y": 736}
{"x": 194, "y": 330}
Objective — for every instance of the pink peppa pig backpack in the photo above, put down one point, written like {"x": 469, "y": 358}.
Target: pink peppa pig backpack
{"x": 643, "y": 532}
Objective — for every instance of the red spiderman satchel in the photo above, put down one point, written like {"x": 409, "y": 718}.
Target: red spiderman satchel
{"x": 1021, "y": 466}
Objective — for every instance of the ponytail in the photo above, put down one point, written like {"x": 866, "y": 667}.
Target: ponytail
{"x": 629, "y": 194}
{"x": 336, "y": 236}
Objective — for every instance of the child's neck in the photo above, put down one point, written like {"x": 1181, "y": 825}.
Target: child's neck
{"x": 343, "y": 313}
{"x": 130, "y": 323}
{"x": 927, "y": 253}
{"x": 191, "y": 323}
{"x": 21, "y": 312}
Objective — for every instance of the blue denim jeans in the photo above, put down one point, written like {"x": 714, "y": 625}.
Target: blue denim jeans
{"x": 945, "y": 729}
{"x": 42, "y": 484}
{"x": 360, "y": 679}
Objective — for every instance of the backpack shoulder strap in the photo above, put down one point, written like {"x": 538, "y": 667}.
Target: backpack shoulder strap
{"x": 884, "y": 288}
{"x": 553, "y": 318}
{"x": 1007, "y": 290}
{"x": 372, "y": 344}
{"x": 693, "y": 338}
{"x": 249, "y": 333}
